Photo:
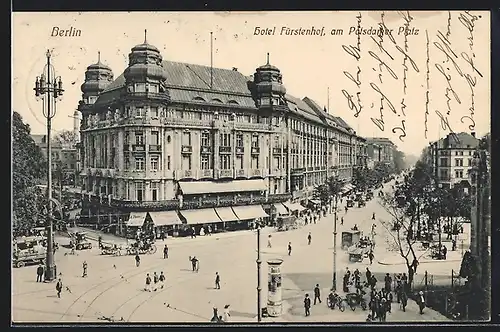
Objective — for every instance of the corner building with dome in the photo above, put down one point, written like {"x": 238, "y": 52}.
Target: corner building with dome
{"x": 177, "y": 145}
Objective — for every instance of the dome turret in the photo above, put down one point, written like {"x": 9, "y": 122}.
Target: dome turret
{"x": 145, "y": 63}
{"x": 97, "y": 77}
{"x": 268, "y": 80}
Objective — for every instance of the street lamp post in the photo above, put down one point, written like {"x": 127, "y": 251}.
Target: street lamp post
{"x": 439, "y": 218}
{"x": 259, "y": 288}
{"x": 49, "y": 87}
{"x": 334, "y": 277}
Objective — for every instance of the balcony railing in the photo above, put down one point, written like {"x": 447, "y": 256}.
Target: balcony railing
{"x": 186, "y": 122}
{"x": 255, "y": 150}
{"x": 224, "y": 149}
{"x": 154, "y": 148}
{"x": 251, "y": 126}
{"x": 298, "y": 171}
{"x": 206, "y": 173}
{"x": 139, "y": 148}
{"x": 226, "y": 173}
{"x": 185, "y": 174}
{"x": 186, "y": 149}
{"x": 310, "y": 169}
{"x": 256, "y": 172}
{"x": 241, "y": 173}
{"x": 148, "y": 95}
{"x": 240, "y": 150}
{"x": 195, "y": 203}
{"x": 206, "y": 149}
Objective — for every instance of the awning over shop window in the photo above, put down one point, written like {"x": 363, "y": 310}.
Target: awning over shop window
{"x": 136, "y": 219}
{"x": 165, "y": 218}
{"x": 348, "y": 187}
{"x": 280, "y": 208}
{"x": 293, "y": 206}
{"x": 315, "y": 201}
{"x": 200, "y": 216}
{"x": 205, "y": 187}
{"x": 249, "y": 212}
{"x": 226, "y": 214}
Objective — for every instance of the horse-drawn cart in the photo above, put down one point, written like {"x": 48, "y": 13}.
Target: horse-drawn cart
{"x": 111, "y": 249}
{"x": 141, "y": 247}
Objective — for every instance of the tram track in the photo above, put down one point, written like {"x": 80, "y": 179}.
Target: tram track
{"x": 115, "y": 284}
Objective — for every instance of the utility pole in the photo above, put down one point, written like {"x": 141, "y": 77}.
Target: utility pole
{"x": 49, "y": 89}
{"x": 334, "y": 278}
{"x": 259, "y": 288}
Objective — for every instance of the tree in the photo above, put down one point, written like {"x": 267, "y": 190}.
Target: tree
{"x": 28, "y": 166}
{"x": 399, "y": 161}
{"x": 322, "y": 193}
{"x": 328, "y": 190}
{"x": 66, "y": 138}
{"x": 361, "y": 178}
{"x": 400, "y": 230}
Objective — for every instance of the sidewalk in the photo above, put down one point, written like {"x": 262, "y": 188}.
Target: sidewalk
{"x": 396, "y": 259}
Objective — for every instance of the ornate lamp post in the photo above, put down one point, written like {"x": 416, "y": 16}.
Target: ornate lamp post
{"x": 48, "y": 87}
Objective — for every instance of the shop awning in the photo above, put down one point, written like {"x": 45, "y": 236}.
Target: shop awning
{"x": 205, "y": 187}
{"x": 315, "y": 201}
{"x": 348, "y": 187}
{"x": 226, "y": 214}
{"x": 280, "y": 208}
{"x": 249, "y": 212}
{"x": 136, "y": 219}
{"x": 200, "y": 216}
{"x": 294, "y": 206}
{"x": 165, "y": 218}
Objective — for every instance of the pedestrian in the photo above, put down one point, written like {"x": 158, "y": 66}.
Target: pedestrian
{"x": 388, "y": 282}
{"x": 307, "y": 305}
{"x": 226, "y": 314}
{"x": 156, "y": 279}
{"x": 309, "y": 238}
{"x": 368, "y": 274}
{"x": 39, "y": 273}
{"x": 421, "y": 302}
{"x": 59, "y": 287}
{"x": 453, "y": 245}
{"x": 215, "y": 317}
{"x": 269, "y": 241}
{"x": 317, "y": 294}
{"x": 217, "y": 280}
{"x": 289, "y": 248}
{"x": 382, "y": 310}
{"x": 165, "y": 252}
{"x": 373, "y": 216}
{"x": 371, "y": 256}
{"x": 209, "y": 230}
{"x": 445, "y": 251}
{"x": 137, "y": 259}
{"x": 162, "y": 280}
{"x": 346, "y": 209}
{"x": 147, "y": 286}
{"x": 315, "y": 218}
{"x": 341, "y": 220}
{"x": 404, "y": 300}
{"x": 414, "y": 265}
{"x": 194, "y": 263}
{"x": 84, "y": 266}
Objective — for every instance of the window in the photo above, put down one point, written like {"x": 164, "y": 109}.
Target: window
{"x": 186, "y": 161}
{"x": 205, "y": 139}
{"x": 155, "y": 138}
{"x": 139, "y": 191}
{"x": 155, "y": 163}
{"x": 225, "y": 140}
{"x": 461, "y": 153}
{"x": 277, "y": 142}
{"x": 154, "y": 112}
{"x": 168, "y": 163}
{"x": 92, "y": 99}
{"x": 225, "y": 161}
{"x": 277, "y": 162}
{"x": 255, "y": 141}
{"x": 127, "y": 138}
{"x": 459, "y": 162}
{"x": 139, "y": 112}
{"x": 140, "y": 87}
{"x": 239, "y": 162}
{"x": 139, "y": 163}
{"x": 459, "y": 174}
{"x": 470, "y": 162}
{"x": 127, "y": 162}
{"x": 186, "y": 138}
{"x": 139, "y": 138}
{"x": 154, "y": 191}
{"x": 443, "y": 162}
{"x": 239, "y": 140}
{"x": 206, "y": 162}
{"x": 254, "y": 162}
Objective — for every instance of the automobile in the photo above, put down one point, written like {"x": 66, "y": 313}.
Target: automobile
{"x": 28, "y": 250}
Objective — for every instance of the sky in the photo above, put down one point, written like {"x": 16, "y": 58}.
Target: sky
{"x": 333, "y": 68}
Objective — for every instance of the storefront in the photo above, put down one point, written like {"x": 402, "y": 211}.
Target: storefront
{"x": 294, "y": 208}
{"x": 199, "y": 218}
{"x": 165, "y": 222}
{"x": 136, "y": 222}
{"x": 249, "y": 213}
{"x": 230, "y": 221}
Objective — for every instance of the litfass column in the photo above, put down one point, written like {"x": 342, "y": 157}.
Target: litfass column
{"x": 274, "y": 298}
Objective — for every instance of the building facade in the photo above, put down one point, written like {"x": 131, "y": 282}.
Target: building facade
{"x": 452, "y": 158}
{"x": 166, "y": 136}
{"x": 381, "y": 149}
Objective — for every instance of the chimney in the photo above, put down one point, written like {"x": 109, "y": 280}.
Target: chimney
{"x": 473, "y": 134}
{"x": 235, "y": 69}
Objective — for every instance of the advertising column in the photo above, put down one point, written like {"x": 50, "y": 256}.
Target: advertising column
{"x": 274, "y": 300}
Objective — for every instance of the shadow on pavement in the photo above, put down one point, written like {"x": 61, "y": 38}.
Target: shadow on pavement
{"x": 242, "y": 314}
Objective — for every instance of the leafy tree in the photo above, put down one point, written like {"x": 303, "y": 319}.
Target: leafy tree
{"x": 66, "y": 138}
{"x": 322, "y": 192}
{"x": 329, "y": 190}
{"x": 28, "y": 166}
{"x": 361, "y": 178}
{"x": 399, "y": 161}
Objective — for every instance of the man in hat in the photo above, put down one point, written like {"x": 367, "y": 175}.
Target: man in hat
{"x": 289, "y": 248}
{"x": 307, "y": 305}
{"x": 165, "y": 252}
{"x": 317, "y": 294}
{"x": 309, "y": 238}
{"x": 226, "y": 314}
{"x": 217, "y": 280}
{"x": 39, "y": 273}
{"x": 421, "y": 302}
{"x": 59, "y": 287}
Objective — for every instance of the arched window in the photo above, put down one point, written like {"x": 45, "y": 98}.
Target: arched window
{"x": 198, "y": 99}
{"x": 216, "y": 100}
